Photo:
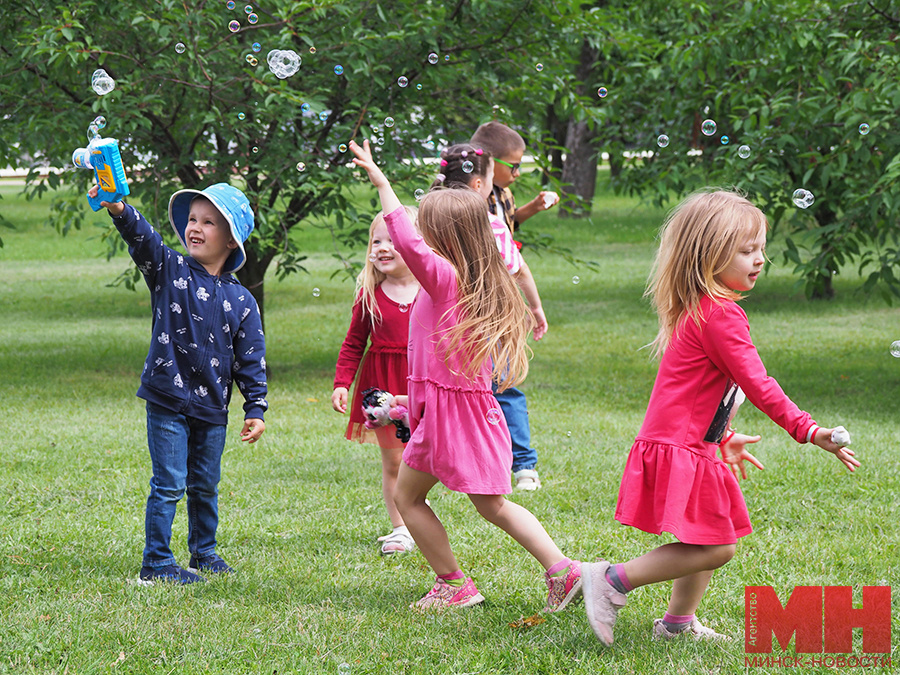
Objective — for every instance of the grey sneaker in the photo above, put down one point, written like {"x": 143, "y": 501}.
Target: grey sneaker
{"x": 601, "y": 600}
{"x": 696, "y": 630}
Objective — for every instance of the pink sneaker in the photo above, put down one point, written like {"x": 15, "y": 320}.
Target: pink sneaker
{"x": 601, "y": 600}
{"x": 563, "y": 589}
{"x": 444, "y": 595}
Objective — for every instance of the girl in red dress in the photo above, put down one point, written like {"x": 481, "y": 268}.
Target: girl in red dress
{"x": 712, "y": 249}
{"x": 385, "y": 292}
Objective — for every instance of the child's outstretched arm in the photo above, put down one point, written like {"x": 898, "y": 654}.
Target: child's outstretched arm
{"x": 115, "y": 209}
{"x": 734, "y": 453}
{"x": 822, "y": 437}
{"x": 364, "y": 160}
{"x": 525, "y": 281}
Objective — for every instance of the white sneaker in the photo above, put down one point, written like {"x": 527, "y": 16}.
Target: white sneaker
{"x": 696, "y": 630}
{"x": 527, "y": 479}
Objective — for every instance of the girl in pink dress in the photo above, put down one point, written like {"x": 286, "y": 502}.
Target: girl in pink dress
{"x": 712, "y": 248}
{"x": 385, "y": 292}
{"x": 468, "y": 314}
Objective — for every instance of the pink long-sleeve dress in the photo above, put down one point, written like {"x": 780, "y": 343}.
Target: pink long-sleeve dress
{"x": 459, "y": 434}
{"x": 673, "y": 479}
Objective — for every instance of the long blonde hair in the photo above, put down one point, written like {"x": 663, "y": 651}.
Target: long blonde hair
{"x": 494, "y": 320}
{"x": 370, "y": 276}
{"x": 697, "y": 243}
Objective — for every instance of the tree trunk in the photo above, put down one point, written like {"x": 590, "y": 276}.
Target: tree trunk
{"x": 253, "y": 275}
{"x": 579, "y": 174}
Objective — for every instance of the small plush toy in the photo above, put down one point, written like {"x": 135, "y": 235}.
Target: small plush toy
{"x": 376, "y": 405}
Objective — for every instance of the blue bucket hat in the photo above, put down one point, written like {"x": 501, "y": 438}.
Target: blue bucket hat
{"x": 233, "y": 206}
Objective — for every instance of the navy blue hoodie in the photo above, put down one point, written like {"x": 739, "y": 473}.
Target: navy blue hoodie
{"x": 206, "y": 331}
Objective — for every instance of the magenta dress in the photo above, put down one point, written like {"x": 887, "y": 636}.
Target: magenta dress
{"x": 674, "y": 481}
{"x": 384, "y": 364}
{"x": 459, "y": 434}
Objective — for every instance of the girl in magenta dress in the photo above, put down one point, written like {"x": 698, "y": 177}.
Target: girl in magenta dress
{"x": 712, "y": 249}
{"x": 386, "y": 290}
{"x": 468, "y": 315}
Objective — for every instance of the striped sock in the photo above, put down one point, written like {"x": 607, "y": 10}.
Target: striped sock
{"x": 457, "y": 578}
{"x": 676, "y": 623}
{"x": 617, "y": 578}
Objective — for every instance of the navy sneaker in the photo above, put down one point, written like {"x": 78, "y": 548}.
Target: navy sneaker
{"x": 211, "y": 564}
{"x": 170, "y": 573}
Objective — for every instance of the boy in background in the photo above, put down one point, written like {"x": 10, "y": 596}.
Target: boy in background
{"x": 206, "y": 330}
{"x": 507, "y": 148}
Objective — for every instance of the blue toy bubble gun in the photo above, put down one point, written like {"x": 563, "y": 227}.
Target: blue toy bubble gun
{"x": 102, "y": 155}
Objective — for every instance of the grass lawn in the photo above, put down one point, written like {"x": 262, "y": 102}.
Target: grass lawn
{"x": 300, "y": 510}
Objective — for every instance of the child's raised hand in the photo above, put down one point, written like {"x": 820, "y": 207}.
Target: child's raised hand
{"x": 115, "y": 209}
{"x": 339, "y": 399}
{"x": 363, "y": 159}
{"x": 822, "y": 438}
{"x": 734, "y": 453}
{"x": 253, "y": 429}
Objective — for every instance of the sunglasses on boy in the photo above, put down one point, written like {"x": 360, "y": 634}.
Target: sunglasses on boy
{"x": 512, "y": 167}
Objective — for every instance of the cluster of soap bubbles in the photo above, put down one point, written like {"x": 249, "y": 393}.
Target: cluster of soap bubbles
{"x": 895, "y": 349}
{"x": 101, "y": 82}
{"x": 803, "y": 198}
{"x": 283, "y": 62}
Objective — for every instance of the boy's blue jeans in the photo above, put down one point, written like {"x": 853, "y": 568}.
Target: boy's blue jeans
{"x": 515, "y": 410}
{"x": 187, "y": 455}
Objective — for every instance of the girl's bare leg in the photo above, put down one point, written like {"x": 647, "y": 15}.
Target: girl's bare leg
{"x": 687, "y": 592}
{"x": 519, "y": 523}
{"x": 677, "y": 561}
{"x": 423, "y": 524}
{"x": 391, "y": 452}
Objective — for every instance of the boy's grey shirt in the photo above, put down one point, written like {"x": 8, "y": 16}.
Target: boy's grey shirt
{"x": 206, "y": 331}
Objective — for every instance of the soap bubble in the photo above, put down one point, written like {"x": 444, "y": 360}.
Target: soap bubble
{"x": 316, "y": 292}
{"x": 418, "y": 194}
{"x": 744, "y": 151}
{"x": 179, "y": 47}
{"x": 576, "y": 280}
{"x": 252, "y": 60}
{"x": 803, "y": 198}
{"x": 248, "y": 9}
{"x": 379, "y": 140}
{"x": 467, "y": 167}
{"x": 252, "y": 18}
{"x": 301, "y": 166}
{"x": 254, "y": 149}
{"x": 494, "y": 415}
{"x": 305, "y": 107}
{"x": 662, "y": 141}
{"x": 895, "y": 349}
{"x": 312, "y": 50}
{"x": 602, "y": 92}
{"x": 708, "y": 127}
{"x": 724, "y": 140}
{"x": 863, "y": 129}
{"x": 339, "y": 70}
{"x": 344, "y": 669}
{"x": 402, "y": 81}
{"x": 101, "y": 82}
{"x": 429, "y": 145}
{"x": 419, "y": 86}
{"x": 539, "y": 67}
{"x": 230, "y": 4}
{"x": 389, "y": 122}
{"x": 342, "y": 148}
{"x": 234, "y": 25}
{"x": 569, "y": 434}
{"x": 256, "y": 46}
{"x": 283, "y": 62}
{"x": 99, "y": 122}
{"x": 242, "y": 116}
{"x": 446, "y": 57}
{"x": 93, "y": 132}
{"x": 432, "y": 58}
{"x": 323, "y": 115}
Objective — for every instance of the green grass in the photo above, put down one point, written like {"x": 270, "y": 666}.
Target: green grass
{"x": 301, "y": 509}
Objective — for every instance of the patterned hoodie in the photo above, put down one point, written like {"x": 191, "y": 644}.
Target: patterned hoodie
{"x": 206, "y": 331}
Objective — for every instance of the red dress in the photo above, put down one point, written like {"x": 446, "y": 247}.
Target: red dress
{"x": 673, "y": 479}
{"x": 384, "y": 365}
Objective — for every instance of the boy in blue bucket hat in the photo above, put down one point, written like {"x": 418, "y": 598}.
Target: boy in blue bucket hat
{"x": 206, "y": 332}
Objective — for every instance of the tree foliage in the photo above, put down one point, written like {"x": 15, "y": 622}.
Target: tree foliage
{"x": 208, "y": 114}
